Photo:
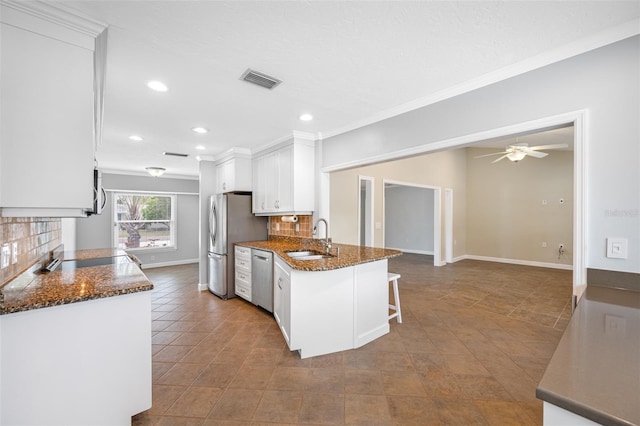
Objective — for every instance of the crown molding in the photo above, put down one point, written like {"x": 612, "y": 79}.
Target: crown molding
{"x": 58, "y": 14}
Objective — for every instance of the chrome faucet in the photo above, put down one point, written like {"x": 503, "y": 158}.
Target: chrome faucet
{"x": 327, "y": 240}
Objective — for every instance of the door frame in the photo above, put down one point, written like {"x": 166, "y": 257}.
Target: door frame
{"x": 448, "y": 225}
{"x": 369, "y": 206}
{"x": 437, "y": 216}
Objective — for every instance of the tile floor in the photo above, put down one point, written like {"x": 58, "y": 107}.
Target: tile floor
{"x": 474, "y": 342}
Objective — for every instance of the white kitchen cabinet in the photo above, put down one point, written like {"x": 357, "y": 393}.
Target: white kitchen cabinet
{"x": 282, "y": 297}
{"x": 321, "y": 312}
{"x": 243, "y": 272}
{"x": 77, "y": 364}
{"x": 283, "y": 179}
{"x": 48, "y": 125}
{"x": 233, "y": 175}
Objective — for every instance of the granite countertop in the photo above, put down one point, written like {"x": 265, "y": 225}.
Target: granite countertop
{"x": 34, "y": 290}
{"x": 350, "y": 255}
{"x": 595, "y": 370}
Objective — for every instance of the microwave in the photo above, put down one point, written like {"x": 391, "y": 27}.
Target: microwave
{"x": 99, "y": 194}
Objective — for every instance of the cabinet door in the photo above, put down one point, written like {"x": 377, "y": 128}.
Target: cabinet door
{"x": 259, "y": 199}
{"x": 281, "y": 299}
{"x": 46, "y": 128}
{"x": 224, "y": 177}
{"x": 284, "y": 187}
{"x": 270, "y": 178}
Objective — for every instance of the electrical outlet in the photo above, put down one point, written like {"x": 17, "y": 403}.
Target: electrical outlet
{"x": 544, "y": 244}
{"x": 14, "y": 253}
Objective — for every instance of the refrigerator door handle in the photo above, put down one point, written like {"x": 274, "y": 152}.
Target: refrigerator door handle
{"x": 213, "y": 226}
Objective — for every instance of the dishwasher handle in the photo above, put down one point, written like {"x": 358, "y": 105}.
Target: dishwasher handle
{"x": 264, "y": 259}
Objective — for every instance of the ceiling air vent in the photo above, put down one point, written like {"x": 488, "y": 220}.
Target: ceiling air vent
{"x": 175, "y": 154}
{"x": 260, "y": 79}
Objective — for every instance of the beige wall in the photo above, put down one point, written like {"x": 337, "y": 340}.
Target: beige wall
{"x": 445, "y": 169}
{"x": 498, "y": 208}
{"x": 506, "y": 217}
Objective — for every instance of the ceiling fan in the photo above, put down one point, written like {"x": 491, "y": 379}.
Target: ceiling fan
{"x": 518, "y": 151}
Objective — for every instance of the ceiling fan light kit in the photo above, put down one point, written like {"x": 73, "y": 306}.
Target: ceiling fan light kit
{"x": 518, "y": 152}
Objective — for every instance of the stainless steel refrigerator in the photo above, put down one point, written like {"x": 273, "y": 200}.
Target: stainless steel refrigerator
{"x": 230, "y": 221}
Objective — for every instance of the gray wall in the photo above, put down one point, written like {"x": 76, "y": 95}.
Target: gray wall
{"x": 96, "y": 231}
{"x": 408, "y": 218}
{"x": 605, "y": 82}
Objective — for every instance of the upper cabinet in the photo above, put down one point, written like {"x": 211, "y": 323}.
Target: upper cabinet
{"x": 52, "y": 67}
{"x": 283, "y": 179}
{"x": 234, "y": 174}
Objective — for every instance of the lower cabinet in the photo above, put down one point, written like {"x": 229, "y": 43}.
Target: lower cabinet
{"x": 282, "y": 297}
{"x": 243, "y": 272}
{"x": 77, "y": 364}
{"x": 321, "y": 312}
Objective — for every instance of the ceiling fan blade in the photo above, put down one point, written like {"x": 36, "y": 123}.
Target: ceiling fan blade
{"x": 541, "y": 147}
{"x": 495, "y": 161}
{"x": 536, "y": 154}
{"x": 489, "y": 155}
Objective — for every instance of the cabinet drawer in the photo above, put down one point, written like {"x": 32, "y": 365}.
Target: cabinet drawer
{"x": 243, "y": 252}
{"x": 244, "y": 278}
{"x": 243, "y": 264}
{"x": 242, "y": 291}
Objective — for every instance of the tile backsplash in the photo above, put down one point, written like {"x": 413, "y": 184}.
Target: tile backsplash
{"x": 288, "y": 229}
{"x": 34, "y": 238}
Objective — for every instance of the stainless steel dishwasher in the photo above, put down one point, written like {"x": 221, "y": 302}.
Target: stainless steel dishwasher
{"x": 262, "y": 279}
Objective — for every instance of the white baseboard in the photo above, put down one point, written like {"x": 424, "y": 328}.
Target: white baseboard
{"x": 172, "y": 263}
{"x": 412, "y": 251}
{"x": 202, "y": 287}
{"x": 518, "y": 262}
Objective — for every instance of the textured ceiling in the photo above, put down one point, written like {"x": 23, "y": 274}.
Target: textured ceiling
{"x": 345, "y": 62}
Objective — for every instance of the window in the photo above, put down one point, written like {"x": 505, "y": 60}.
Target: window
{"x": 144, "y": 221}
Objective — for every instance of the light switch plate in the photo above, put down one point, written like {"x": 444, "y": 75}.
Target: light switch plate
{"x": 617, "y": 248}
{"x": 4, "y": 257}
{"x": 14, "y": 252}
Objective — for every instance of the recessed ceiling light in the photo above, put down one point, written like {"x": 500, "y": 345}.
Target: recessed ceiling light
{"x": 200, "y": 130}
{"x": 158, "y": 86}
{"x": 201, "y": 147}
{"x": 135, "y": 138}
{"x": 306, "y": 117}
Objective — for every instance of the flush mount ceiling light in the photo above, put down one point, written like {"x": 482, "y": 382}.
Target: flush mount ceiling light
{"x": 135, "y": 138}
{"x": 155, "y": 171}
{"x": 158, "y": 86}
{"x": 306, "y": 117}
{"x": 201, "y": 147}
{"x": 200, "y": 130}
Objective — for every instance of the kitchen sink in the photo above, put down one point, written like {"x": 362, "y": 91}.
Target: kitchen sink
{"x": 308, "y": 255}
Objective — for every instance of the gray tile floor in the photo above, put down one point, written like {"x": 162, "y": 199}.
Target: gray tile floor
{"x": 474, "y": 342}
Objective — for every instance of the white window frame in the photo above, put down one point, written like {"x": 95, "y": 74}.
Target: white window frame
{"x": 173, "y": 221}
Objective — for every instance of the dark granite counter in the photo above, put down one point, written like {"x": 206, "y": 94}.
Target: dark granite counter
{"x": 595, "y": 370}
{"x": 349, "y": 255}
{"x": 34, "y": 290}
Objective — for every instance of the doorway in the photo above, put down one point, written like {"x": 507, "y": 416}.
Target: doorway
{"x": 412, "y": 218}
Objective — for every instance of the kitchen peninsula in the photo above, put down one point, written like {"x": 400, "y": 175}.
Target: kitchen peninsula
{"x": 75, "y": 343}
{"x": 332, "y": 303}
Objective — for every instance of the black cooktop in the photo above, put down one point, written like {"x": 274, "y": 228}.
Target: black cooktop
{"x": 69, "y": 265}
